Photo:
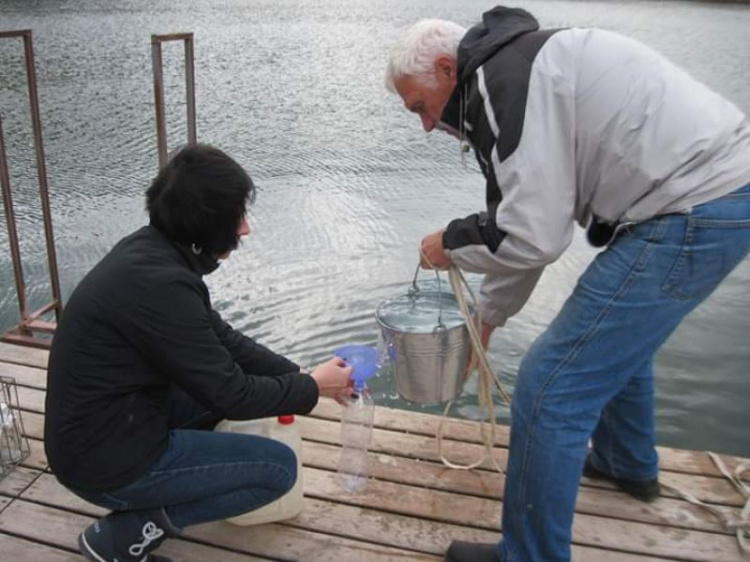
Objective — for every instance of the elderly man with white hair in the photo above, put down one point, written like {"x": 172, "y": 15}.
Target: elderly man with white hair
{"x": 580, "y": 126}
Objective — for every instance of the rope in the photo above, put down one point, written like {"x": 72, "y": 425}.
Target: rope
{"x": 739, "y": 525}
{"x": 487, "y": 376}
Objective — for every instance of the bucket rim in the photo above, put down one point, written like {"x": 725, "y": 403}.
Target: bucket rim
{"x": 379, "y": 319}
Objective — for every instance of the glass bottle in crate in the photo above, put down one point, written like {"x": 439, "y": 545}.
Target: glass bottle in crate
{"x": 10, "y": 445}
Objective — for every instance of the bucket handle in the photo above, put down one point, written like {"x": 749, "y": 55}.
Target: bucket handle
{"x": 414, "y": 289}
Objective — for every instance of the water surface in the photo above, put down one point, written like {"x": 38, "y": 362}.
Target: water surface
{"x": 348, "y": 182}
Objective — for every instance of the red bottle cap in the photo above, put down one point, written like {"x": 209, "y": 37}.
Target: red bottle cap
{"x": 286, "y": 420}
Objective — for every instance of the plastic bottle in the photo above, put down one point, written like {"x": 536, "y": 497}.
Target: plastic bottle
{"x": 357, "y": 418}
{"x": 356, "y": 435}
{"x": 286, "y": 430}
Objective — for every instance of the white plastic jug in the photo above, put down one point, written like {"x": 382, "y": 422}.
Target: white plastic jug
{"x": 282, "y": 429}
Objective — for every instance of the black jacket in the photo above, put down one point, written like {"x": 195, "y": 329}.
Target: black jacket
{"x": 140, "y": 322}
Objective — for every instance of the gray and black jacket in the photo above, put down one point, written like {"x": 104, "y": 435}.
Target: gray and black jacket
{"x": 577, "y": 125}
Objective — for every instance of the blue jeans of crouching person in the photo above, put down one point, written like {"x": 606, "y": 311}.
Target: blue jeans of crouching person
{"x": 202, "y": 476}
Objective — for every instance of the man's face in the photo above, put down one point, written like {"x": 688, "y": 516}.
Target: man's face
{"x": 427, "y": 95}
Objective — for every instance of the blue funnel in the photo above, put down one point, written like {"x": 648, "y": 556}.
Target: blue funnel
{"x": 363, "y": 358}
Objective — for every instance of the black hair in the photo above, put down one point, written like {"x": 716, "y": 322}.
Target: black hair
{"x": 199, "y": 197}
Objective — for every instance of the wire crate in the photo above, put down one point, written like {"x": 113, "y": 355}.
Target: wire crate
{"x": 14, "y": 445}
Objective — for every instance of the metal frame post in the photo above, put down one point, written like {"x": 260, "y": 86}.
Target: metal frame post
{"x": 23, "y": 333}
{"x": 157, "y": 63}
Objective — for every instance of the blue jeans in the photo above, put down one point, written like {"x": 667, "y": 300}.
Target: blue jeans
{"x": 204, "y": 475}
{"x": 590, "y": 374}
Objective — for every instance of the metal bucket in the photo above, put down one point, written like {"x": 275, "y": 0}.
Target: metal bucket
{"x": 428, "y": 361}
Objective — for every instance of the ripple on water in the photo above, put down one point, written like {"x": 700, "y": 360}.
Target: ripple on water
{"x": 348, "y": 182}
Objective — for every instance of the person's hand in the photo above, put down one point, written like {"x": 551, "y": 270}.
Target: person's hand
{"x": 333, "y": 378}
{"x": 432, "y": 250}
{"x": 484, "y": 336}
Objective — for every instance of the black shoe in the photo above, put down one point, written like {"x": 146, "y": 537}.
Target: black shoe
{"x": 126, "y": 536}
{"x": 472, "y": 552}
{"x": 644, "y": 490}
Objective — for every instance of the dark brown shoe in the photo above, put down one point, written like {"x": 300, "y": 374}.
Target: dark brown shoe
{"x": 644, "y": 490}
{"x": 472, "y": 552}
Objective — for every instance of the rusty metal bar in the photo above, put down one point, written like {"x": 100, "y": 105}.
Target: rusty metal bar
{"x": 36, "y": 123}
{"x": 161, "y": 127}
{"x": 23, "y": 333}
{"x": 174, "y": 37}
{"x": 16, "y": 33}
{"x": 17, "y": 338}
{"x": 158, "y": 64}
{"x": 10, "y": 219}
{"x": 190, "y": 88}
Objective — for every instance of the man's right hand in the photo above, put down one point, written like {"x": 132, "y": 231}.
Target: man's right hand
{"x": 333, "y": 378}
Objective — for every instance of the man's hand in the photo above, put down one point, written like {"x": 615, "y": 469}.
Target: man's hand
{"x": 433, "y": 254}
{"x": 484, "y": 335}
{"x": 333, "y": 378}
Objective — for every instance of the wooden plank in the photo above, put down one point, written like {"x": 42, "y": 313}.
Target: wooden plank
{"x": 398, "y": 445}
{"x": 31, "y": 399}
{"x": 352, "y": 522}
{"x": 607, "y": 503}
{"x": 409, "y": 445}
{"x": 318, "y": 516}
{"x": 378, "y": 527}
{"x": 478, "y": 482}
{"x": 419, "y": 534}
{"x": 678, "y": 460}
{"x": 416, "y": 532}
{"x": 466, "y": 511}
{"x": 37, "y": 459}
{"x": 60, "y": 529}
{"x": 33, "y": 424}
{"x": 17, "y": 481}
{"x": 21, "y": 550}
{"x": 46, "y": 523}
{"x": 404, "y": 462}
{"x": 290, "y": 543}
{"x": 388, "y": 418}
{"x": 22, "y": 355}
{"x": 675, "y": 513}
{"x": 25, "y": 376}
{"x": 490, "y": 483}
{"x": 589, "y": 530}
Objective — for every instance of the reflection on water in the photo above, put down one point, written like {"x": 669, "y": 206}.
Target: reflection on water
{"x": 348, "y": 182}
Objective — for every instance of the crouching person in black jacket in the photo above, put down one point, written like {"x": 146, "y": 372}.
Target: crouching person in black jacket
{"x": 142, "y": 368}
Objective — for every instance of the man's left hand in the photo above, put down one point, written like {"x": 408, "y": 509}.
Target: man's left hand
{"x": 432, "y": 250}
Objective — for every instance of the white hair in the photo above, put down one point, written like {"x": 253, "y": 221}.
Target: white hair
{"x": 418, "y": 49}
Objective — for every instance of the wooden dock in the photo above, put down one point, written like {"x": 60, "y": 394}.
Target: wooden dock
{"x": 411, "y": 510}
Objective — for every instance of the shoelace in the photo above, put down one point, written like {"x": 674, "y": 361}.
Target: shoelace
{"x": 150, "y": 533}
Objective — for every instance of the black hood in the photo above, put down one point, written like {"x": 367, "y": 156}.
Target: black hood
{"x": 499, "y": 27}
